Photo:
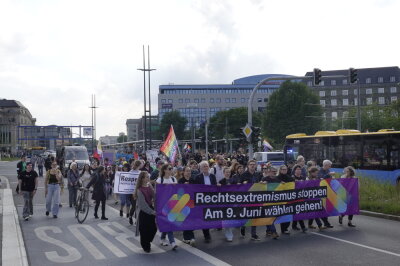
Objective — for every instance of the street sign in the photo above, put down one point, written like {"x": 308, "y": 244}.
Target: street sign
{"x": 247, "y": 131}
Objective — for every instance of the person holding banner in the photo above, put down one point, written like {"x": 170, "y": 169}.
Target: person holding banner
{"x": 298, "y": 177}
{"x": 225, "y": 181}
{"x": 125, "y": 198}
{"x": 205, "y": 178}
{"x": 136, "y": 165}
{"x": 166, "y": 177}
{"x": 144, "y": 194}
{"x": 283, "y": 177}
{"x": 349, "y": 172}
{"x": 250, "y": 176}
{"x": 313, "y": 175}
{"x": 188, "y": 235}
{"x": 268, "y": 176}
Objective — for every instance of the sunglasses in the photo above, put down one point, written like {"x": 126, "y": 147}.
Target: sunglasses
{"x": 170, "y": 168}
{"x": 265, "y": 168}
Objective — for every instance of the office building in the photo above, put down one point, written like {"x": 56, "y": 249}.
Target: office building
{"x": 377, "y": 85}
{"x": 199, "y": 102}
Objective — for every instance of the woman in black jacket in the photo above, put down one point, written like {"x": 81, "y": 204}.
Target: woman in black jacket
{"x": 298, "y": 177}
{"x": 283, "y": 177}
{"x": 99, "y": 191}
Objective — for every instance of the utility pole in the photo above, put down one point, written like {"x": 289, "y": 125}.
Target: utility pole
{"x": 147, "y": 112}
{"x": 93, "y": 107}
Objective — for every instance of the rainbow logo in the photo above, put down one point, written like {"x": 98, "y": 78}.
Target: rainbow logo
{"x": 337, "y": 200}
{"x": 178, "y": 207}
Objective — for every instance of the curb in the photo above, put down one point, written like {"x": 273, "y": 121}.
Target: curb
{"x": 13, "y": 246}
{"x": 380, "y": 215}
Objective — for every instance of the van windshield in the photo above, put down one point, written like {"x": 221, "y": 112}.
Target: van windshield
{"x": 76, "y": 154}
{"x": 275, "y": 157}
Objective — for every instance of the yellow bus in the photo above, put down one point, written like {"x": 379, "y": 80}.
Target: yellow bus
{"x": 372, "y": 154}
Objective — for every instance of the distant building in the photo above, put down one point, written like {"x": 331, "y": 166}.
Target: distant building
{"x": 107, "y": 140}
{"x": 377, "y": 85}
{"x": 12, "y": 115}
{"x": 134, "y": 128}
{"x": 199, "y": 102}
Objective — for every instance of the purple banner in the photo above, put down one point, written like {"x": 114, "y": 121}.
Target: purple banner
{"x": 190, "y": 207}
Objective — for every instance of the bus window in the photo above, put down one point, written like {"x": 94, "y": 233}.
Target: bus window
{"x": 375, "y": 153}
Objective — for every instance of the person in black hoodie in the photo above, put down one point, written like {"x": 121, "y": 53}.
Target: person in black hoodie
{"x": 298, "y": 177}
{"x": 250, "y": 176}
{"x": 99, "y": 191}
{"x": 283, "y": 177}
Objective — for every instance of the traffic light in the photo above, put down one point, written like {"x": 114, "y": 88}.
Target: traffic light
{"x": 255, "y": 135}
{"x": 317, "y": 76}
{"x": 242, "y": 136}
{"x": 353, "y": 75}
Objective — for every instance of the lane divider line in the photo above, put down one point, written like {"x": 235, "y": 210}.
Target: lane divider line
{"x": 199, "y": 253}
{"x": 357, "y": 244}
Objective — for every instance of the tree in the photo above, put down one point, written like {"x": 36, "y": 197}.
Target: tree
{"x": 293, "y": 108}
{"x": 375, "y": 117}
{"x": 175, "y": 119}
{"x": 231, "y": 121}
{"x": 122, "y": 138}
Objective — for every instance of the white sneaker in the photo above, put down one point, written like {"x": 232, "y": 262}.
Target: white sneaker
{"x": 192, "y": 242}
{"x": 164, "y": 242}
{"x": 174, "y": 246}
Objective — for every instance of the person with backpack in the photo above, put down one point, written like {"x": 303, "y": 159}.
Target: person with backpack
{"x": 166, "y": 177}
{"x": 21, "y": 166}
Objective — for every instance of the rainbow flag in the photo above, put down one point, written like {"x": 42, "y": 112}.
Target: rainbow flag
{"x": 170, "y": 147}
{"x": 267, "y": 146}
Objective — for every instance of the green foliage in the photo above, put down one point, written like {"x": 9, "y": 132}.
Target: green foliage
{"x": 293, "y": 108}
{"x": 122, "y": 138}
{"x": 175, "y": 119}
{"x": 231, "y": 121}
{"x": 378, "y": 197}
{"x": 375, "y": 117}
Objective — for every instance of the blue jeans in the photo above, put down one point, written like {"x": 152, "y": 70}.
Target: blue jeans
{"x": 170, "y": 236}
{"x": 53, "y": 198}
{"x": 40, "y": 167}
{"x": 28, "y": 205}
{"x": 229, "y": 233}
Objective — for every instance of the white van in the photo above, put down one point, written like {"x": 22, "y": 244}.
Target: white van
{"x": 276, "y": 158}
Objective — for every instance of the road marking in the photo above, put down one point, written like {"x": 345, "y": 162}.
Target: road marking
{"x": 89, "y": 245}
{"x": 201, "y": 254}
{"x": 356, "y": 244}
{"x": 73, "y": 253}
{"x": 123, "y": 237}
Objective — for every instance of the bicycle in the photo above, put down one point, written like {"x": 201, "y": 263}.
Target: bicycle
{"x": 82, "y": 205}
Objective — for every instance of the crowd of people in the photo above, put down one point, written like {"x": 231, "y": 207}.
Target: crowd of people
{"x": 221, "y": 170}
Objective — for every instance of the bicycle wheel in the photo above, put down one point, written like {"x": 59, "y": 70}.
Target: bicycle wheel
{"x": 83, "y": 211}
{"x": 78, "y": 203}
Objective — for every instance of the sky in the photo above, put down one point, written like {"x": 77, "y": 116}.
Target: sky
{"x": 55, "y": 54}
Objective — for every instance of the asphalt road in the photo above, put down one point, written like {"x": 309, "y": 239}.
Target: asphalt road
{"x": 51, "y": 241}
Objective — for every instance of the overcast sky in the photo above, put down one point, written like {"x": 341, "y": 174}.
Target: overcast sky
{"x": 55, "y": 54}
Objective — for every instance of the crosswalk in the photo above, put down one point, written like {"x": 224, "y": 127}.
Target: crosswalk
{"x": 52, "y": 241}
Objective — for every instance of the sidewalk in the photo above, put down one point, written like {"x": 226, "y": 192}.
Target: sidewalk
{"x": 13, "y": 247}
